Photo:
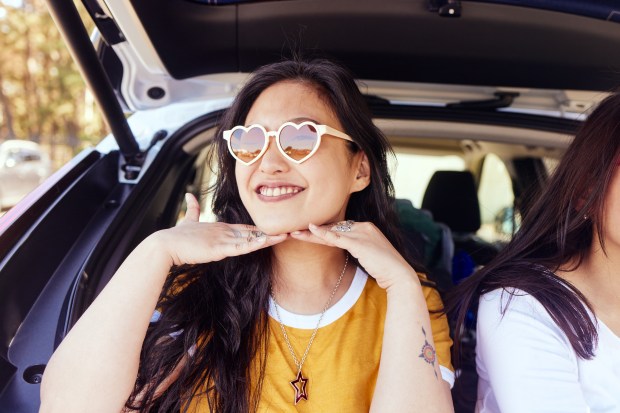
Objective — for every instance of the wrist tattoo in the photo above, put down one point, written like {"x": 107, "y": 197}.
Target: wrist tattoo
{"x": 428, "y": 353}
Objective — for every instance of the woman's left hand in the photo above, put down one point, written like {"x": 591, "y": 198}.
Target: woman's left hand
{"x": 368, "y": 245}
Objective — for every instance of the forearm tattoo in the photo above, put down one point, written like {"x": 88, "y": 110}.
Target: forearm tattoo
{"x": 428, "y": 353}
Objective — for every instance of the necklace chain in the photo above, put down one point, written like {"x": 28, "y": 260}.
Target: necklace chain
{"x": 300, "y": 363}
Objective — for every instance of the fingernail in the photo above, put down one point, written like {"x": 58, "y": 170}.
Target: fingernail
{"x": 188, "y": 198}
{"x": 296, "y": 232}
{"x": 312, "y": 226}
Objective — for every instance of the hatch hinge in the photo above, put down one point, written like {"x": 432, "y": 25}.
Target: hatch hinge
{"x": 133, "y": 166}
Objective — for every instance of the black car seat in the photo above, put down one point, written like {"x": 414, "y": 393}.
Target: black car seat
{"x": 452, "y": 198}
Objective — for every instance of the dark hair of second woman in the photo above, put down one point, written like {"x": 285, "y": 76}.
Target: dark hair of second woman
{"x": 556, "y": 234}
{"x": 221, "y": 307}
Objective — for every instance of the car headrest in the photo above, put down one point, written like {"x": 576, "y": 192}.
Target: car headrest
{"x": 452, "y": 199}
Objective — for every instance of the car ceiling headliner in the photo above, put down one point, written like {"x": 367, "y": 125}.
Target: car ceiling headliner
{"x": 400, "y": 40}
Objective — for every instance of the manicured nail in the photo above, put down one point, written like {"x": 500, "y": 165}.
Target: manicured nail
{"x": 188, "y": 198}
{"x": 312, "y": 226}
{"x": 296, "y": 232}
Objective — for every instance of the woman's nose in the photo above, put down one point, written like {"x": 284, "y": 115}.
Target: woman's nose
{"x": 272, "y": 160}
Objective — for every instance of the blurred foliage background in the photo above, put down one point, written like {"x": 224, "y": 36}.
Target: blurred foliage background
{"x": 42, "y": 95}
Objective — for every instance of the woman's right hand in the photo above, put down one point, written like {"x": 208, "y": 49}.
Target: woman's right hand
{"x": 194, "y": 242}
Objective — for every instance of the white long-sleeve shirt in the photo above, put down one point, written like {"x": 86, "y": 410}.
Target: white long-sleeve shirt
{"x": 527, "y": 365}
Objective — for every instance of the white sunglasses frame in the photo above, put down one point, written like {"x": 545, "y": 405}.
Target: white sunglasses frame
{"x": 320, "y": 129}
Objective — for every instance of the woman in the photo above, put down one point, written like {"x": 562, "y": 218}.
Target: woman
{"x": 548, "y": 329}
{"x": 270, "y": 308}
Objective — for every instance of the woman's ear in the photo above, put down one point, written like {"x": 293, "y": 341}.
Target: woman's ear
{"x": 362, "y": 179}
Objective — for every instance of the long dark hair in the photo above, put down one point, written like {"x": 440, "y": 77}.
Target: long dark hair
{"x": 218, "y": 311}
{"x": 557, "y": 233}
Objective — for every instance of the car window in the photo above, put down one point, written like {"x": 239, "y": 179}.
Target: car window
{"x": 206, "y": 199}
{"x": 411, "y": 173}
{"x": 496, "y": 199}
{"x": 201, "y": 187}
{"x": 550, "y": 164}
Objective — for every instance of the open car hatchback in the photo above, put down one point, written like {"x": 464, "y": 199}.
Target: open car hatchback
{"x": 493, "y": 90}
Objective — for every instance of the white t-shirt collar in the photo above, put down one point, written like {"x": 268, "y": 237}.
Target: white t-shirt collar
{"x": 332, "y": 314}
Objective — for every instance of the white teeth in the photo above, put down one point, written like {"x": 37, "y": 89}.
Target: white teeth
{"x": 278, "y": 191}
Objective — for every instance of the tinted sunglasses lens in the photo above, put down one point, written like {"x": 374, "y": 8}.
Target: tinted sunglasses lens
{"x": 246, "y": 145}
{"x": 298, "y": 144}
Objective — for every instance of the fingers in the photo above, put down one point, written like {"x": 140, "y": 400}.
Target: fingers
{"x": 192, "y": 213}
{"x": 243, "y": 238}
{"x": 203, "y": 242}
{"x": 323, "y": 233}
{"x": 243, "y": 231}
{"x": 330, "y": 234}
{"x": 253, "y": 243}
{"x": 243, "y": 227}
{"x": 345, "y": 234}
{"x": 308, "y": 236}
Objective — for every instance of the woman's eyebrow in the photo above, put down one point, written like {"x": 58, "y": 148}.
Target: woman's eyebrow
{"x": 299, "y": 120}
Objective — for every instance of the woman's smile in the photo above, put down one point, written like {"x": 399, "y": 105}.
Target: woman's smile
{"x": 277, "y": 192}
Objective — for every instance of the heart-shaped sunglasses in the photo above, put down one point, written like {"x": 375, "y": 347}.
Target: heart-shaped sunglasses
{"x": 297, "y": 142}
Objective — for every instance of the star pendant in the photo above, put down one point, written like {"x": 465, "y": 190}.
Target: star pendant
{"x": 299, "y": 384}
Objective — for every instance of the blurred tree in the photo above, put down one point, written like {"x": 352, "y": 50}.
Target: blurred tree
{"x": 42, "y": 95}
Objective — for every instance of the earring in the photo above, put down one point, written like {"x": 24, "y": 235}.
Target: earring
{"x": 585, "y": 217}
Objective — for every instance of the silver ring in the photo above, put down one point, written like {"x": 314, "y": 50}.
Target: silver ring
{"x": 343, "y": 226}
